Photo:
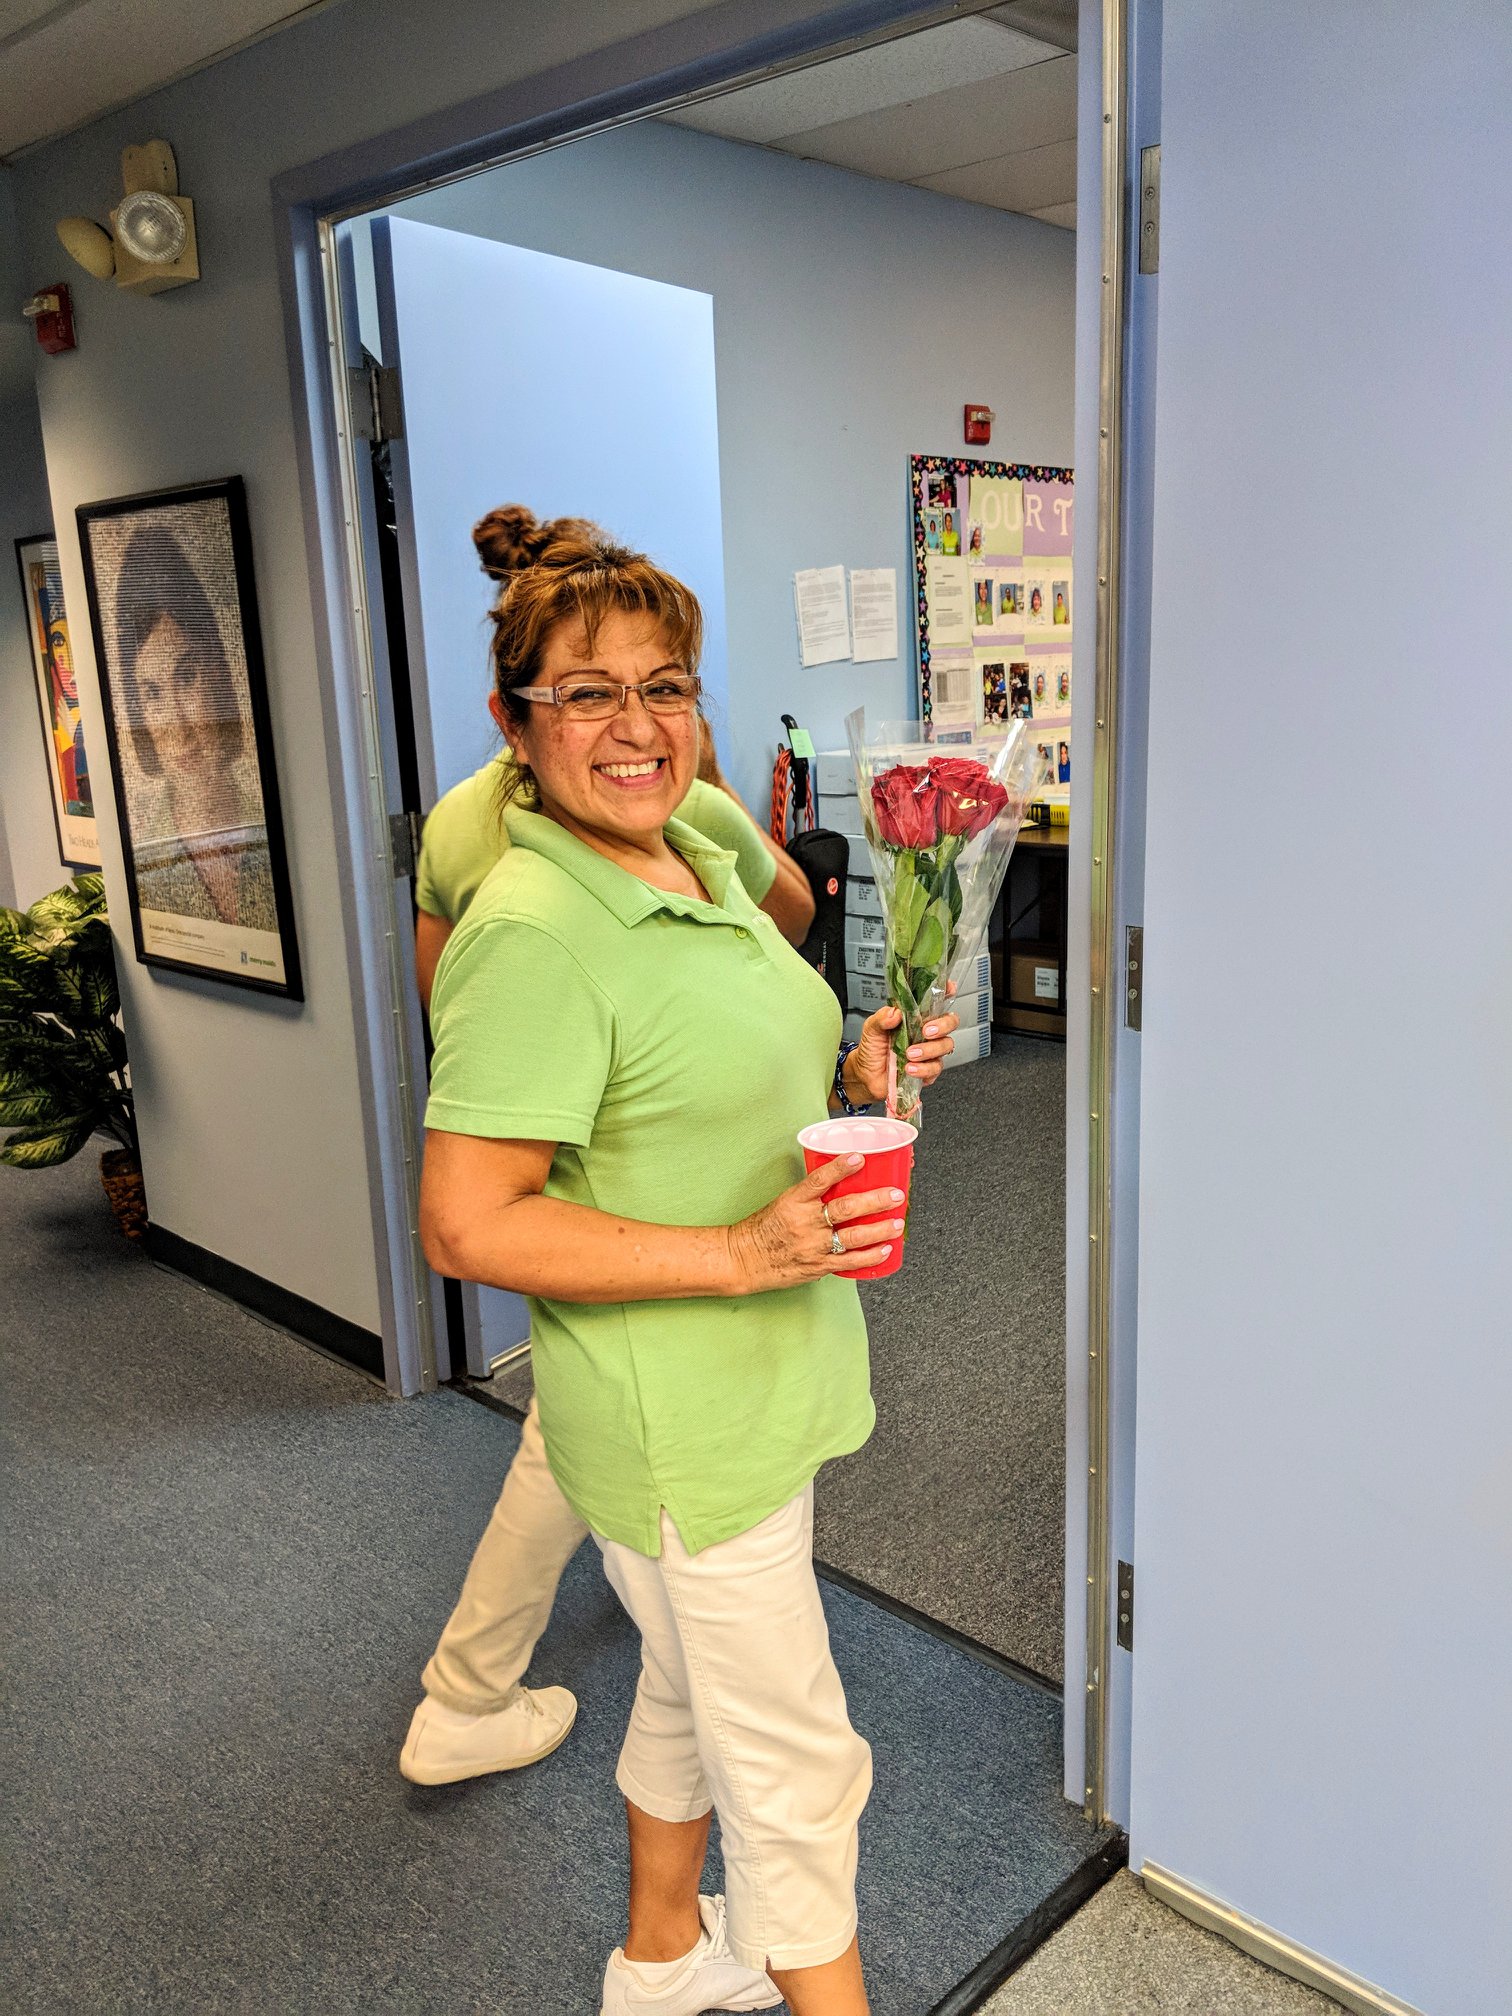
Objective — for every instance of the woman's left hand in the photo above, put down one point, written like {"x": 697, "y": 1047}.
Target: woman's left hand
{"x": 866, "y": 1067}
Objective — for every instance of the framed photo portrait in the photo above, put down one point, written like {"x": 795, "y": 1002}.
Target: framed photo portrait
{"x": 58, "y": 700}
{"x": 174, "y": 614}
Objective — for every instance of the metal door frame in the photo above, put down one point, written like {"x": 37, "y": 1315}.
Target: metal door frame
{"x": 704, "y": 55}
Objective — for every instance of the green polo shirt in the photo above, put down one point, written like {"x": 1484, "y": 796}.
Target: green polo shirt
{"x": 464, "y": 836}
{"x": 672, "y": 1048}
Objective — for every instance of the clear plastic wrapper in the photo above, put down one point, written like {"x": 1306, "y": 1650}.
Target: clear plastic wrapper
{"x": 942, "y": 809}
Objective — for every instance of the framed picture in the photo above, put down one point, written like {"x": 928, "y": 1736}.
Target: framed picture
{"x": 58, "y": 700}
{"x": 174, "y": 614}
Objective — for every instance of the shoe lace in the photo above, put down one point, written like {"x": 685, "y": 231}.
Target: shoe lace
{"x": 714, "y": 1929}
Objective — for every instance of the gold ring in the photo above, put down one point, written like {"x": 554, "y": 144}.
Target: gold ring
{"x": 827, "y": 1218}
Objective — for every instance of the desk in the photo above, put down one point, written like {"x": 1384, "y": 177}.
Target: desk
{"x": 1027, "y": 934}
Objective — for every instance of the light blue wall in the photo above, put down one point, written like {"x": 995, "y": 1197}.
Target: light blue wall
{"x": 1323, "y": 1658}
{"x": 582, "y": 391}
{"x": 853, "y": 319}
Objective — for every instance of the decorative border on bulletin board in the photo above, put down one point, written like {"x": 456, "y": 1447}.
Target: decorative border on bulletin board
{"x": 956, "y": 465}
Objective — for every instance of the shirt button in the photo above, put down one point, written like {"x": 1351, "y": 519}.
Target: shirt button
{"x": 741, "y": 931}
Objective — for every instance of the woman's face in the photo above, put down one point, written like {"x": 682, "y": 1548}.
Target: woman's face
{"x": 177, "y": 707}
{"x": 622, "y": 778}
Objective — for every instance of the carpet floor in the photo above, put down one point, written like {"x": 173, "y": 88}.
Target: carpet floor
{"x": 228, "y": 1558}
{"x": 956, "y": 1506}
{"x": 1124, "y": 1954}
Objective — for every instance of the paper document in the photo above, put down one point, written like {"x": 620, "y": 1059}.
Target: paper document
{"x": 947, "y": 584}
{"x": 874, "y": 613}
{"x": 823, "y": 621}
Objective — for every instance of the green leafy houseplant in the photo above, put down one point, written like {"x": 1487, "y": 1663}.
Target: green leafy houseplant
{"x": 63, "y": 1069}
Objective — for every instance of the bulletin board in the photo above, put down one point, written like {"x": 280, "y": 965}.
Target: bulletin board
{"x": 992, "y": 545}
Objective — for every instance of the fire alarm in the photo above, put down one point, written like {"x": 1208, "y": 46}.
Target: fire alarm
{"x": 979, "y": 421}
{"x": 51, "y": 315}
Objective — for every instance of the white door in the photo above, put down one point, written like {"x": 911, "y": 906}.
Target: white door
{"x": 573, "y": 389}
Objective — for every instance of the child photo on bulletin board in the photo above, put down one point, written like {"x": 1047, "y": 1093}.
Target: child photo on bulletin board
{"x": 994, "y": 692}
{"x": 1019, "y": 700}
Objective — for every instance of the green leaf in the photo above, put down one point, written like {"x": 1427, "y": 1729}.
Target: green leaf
{"x": 907, "y": 915}
{"x": 42, "y": 1148}
{"x": 52, "y": 1107}
{"x": 929, "y": 944}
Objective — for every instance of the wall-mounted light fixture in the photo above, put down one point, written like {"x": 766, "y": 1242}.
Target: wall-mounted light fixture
{"x": 154, "y": 246}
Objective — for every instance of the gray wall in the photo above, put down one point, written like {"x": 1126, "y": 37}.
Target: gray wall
{"x": 250, "y": 1114}
{"x": 29, "y": 861}
{"x": 1323, "y": 1642}
{"x": 852, "y": 321}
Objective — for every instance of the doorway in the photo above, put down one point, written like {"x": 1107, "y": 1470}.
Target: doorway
{"x": 790, "y": 507}
{"x": 531, "y": 369}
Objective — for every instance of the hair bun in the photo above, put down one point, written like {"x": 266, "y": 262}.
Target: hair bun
{"x": 509, "y": 539}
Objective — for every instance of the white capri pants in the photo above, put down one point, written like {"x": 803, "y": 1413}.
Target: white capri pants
{"x": 739, "y": 1707}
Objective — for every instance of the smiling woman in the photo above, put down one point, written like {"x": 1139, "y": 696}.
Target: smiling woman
{"x": 625, "y": 1053}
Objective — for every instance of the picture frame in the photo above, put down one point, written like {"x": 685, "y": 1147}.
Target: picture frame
{"x": 173, "y": 612}
{"x": 70, "y": 785}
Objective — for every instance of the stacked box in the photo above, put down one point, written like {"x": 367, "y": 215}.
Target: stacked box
{"x": 834, "y": 772}
{"x": 841, "y": 813}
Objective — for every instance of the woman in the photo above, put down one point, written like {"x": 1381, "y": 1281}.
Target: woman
{"x": 475, "y": 1716}
{"x": 625, "y": 1051}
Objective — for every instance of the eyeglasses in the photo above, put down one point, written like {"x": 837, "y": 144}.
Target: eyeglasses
{"x": 599, "y": 699}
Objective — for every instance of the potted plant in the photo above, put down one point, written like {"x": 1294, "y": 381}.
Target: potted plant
{"x": 63, "y": 1070}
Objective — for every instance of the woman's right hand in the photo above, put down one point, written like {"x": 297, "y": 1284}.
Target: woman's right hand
{"x": 793, "y": 1239}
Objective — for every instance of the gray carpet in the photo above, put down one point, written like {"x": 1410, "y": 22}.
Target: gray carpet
{"x": 957, "y": 1504}
{"x": 227, "y": 1560}
{"x": 1123, "y": 1954}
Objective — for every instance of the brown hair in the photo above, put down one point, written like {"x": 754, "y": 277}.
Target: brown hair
{"x": 513, "y": 537}
{"x": 579, "y": 575}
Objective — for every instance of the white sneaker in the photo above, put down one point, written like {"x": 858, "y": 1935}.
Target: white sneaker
{"x": 443, "y": 1746}
{"x": 710, "y": 1977}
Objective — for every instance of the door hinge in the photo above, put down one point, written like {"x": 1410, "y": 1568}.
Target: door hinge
{"x": 377, "y": 409}
{"x": 404, "y": 841}
{"x": 1126, "y": 1605}
{"x": 1134, "y": 976}
{"x": 1149, "y": 209}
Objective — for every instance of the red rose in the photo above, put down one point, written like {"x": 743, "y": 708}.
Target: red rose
{"x": 905, "y": 803}
{"x": 969, "y": 800}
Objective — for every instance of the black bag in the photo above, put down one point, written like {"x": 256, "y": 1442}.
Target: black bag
{"x": 824, "y": 856}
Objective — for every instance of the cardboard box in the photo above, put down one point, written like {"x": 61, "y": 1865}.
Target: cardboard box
{"x": 864, "y": 930}
{"x": 862, "y": 897}
{"x": 834, "y": 771}
{"x": 865, "y": 958}
{"x": 841, "y": 813}
{"x": 1034, "y": 977}
{"x": 971, "y": 1046}
{"x": 860, "y": 855}
{"x": 866, "y": 991}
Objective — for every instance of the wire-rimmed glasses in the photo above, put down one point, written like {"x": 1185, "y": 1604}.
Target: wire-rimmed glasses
{"x": 584, "y": 699}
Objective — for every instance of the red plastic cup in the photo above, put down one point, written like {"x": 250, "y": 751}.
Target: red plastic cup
{"x": 888, "y": 1146}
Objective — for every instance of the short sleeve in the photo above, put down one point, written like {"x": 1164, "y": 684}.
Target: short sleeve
{"x": 715, "y": 814}
{"x": 524, "y": 1038}
{"x": 427, "y": 895}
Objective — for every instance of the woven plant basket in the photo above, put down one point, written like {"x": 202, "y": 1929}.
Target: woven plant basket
{"x": 123, "y": 1186}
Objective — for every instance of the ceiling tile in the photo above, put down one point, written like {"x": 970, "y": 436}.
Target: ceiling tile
{"x": 978, "y": 121}
{"x": 74, "y": 62}
{"x": 1037, "y": 180}
{"x": 913, "y": 66}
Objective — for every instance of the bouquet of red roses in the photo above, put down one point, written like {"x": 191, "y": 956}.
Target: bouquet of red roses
{"x": 941, "y": 817}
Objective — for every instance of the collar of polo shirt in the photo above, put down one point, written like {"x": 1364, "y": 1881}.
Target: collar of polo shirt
{"x": 625, "y": 895}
